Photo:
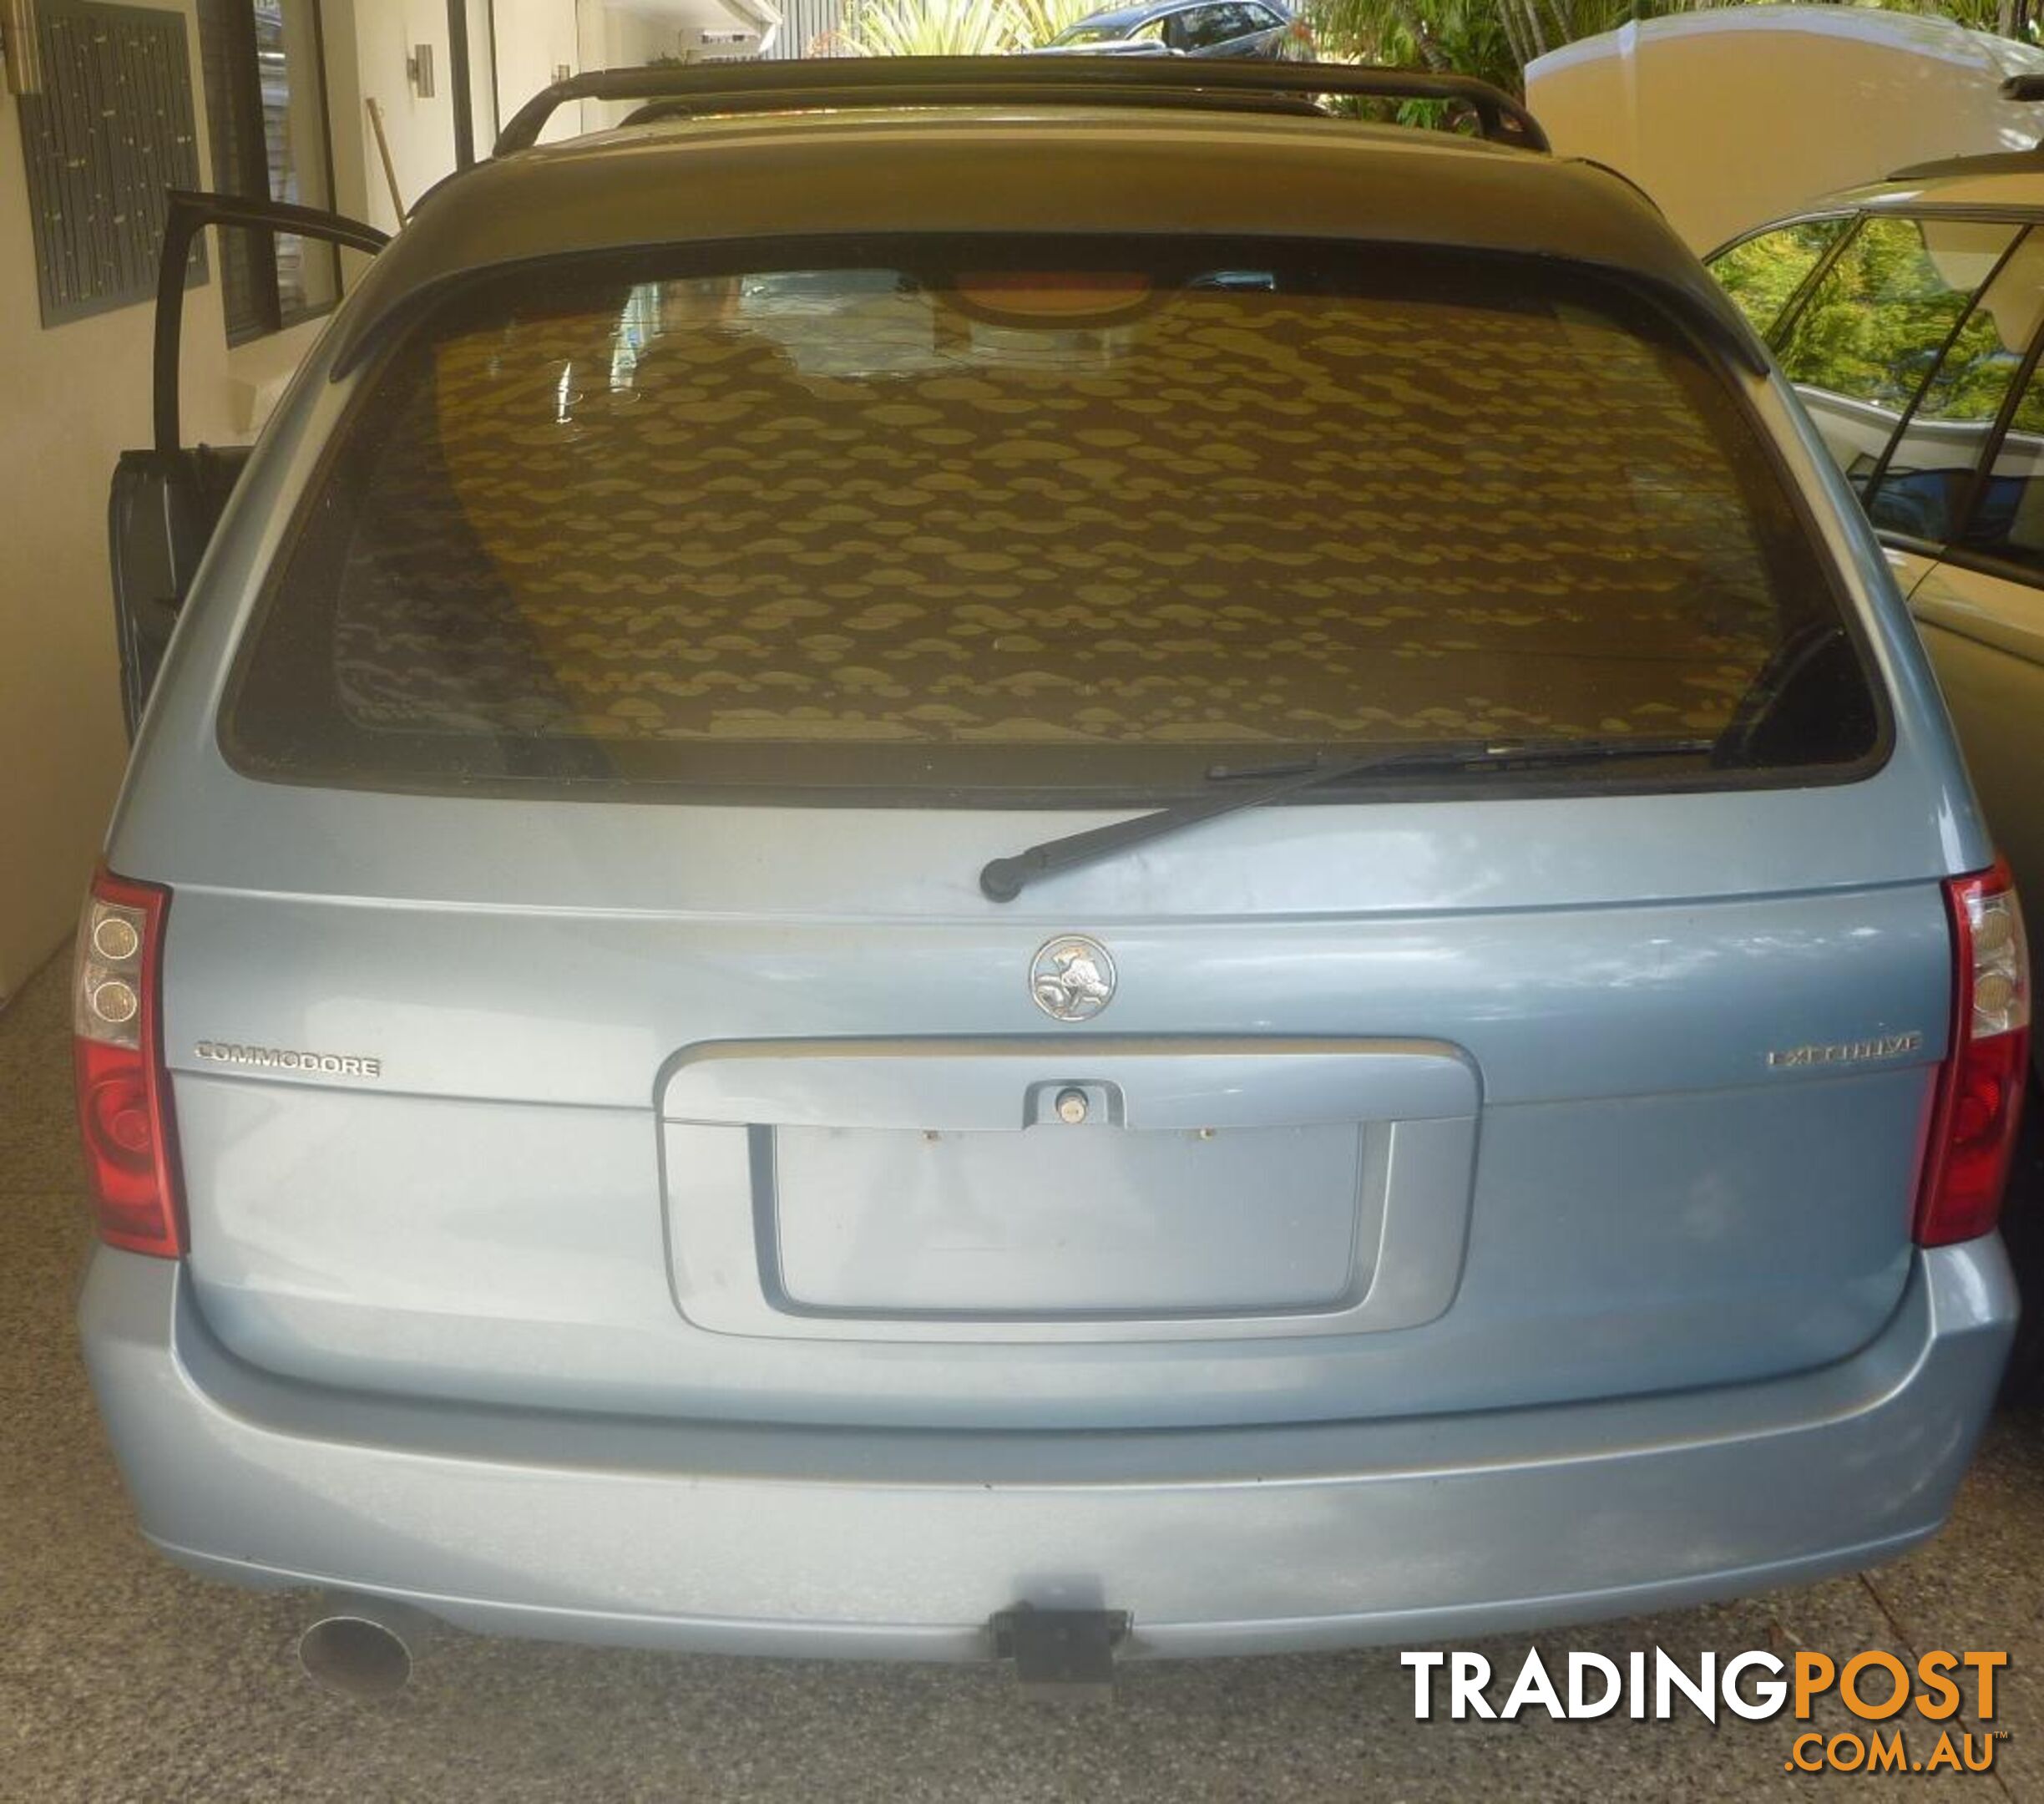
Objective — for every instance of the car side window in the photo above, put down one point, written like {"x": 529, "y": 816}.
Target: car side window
{"x": 1863, "y": 342}
{"x": 1206, "y": 25}
{"x": 2007, "y": 517}
{"x": 1763, "y": 272}
{"x": 1930, "y": 470}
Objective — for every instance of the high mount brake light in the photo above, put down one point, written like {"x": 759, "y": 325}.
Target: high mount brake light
{"x": 124, "y": 1093}
{"x": 1980, "y": 1096}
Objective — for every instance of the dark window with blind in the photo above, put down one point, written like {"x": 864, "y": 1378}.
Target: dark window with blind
{"x": 1066, "y": 519}
{"x": 264, "y": 84}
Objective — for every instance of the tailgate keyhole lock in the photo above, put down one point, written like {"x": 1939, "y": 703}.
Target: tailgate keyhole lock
{"x": 1074, "y": 1102}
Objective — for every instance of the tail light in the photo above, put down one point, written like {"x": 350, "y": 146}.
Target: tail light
{"x": 1980, "y": 1090}
{"x": 123, "y": 1094}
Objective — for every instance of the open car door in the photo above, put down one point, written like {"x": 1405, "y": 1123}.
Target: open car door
{"x": 166, "y": 500}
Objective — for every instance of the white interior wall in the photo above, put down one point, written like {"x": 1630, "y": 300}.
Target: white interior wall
{"x": 533, "y": 38}
{"x": 368, "y": 43}
{"x": 615, "y": 37}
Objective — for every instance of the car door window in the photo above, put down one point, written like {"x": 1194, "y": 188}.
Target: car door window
{"x": 1203, "y": 26}
{"x": 1925, "y": 482}
{"x": 2008, "y": 516}
{"x": 1762, "y": 273}
{"x": 167, "y": 501}
{"x": 1863, "y": 343}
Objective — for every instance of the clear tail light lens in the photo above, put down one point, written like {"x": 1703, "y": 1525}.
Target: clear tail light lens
{"x": 1979, "y": 1104}
{"x": 124, "y": 1093}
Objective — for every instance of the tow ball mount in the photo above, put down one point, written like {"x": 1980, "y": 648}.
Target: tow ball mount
{"x": 1060, "y": 1655}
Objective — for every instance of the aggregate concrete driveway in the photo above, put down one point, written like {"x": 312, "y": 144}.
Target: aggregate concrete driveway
{"x": 122, "y": 1678}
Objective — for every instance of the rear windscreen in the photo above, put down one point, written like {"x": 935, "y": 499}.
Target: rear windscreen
{"x": 890, "y": 521}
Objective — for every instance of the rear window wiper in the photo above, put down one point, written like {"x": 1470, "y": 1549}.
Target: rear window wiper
{"x": 1002, "y": 879}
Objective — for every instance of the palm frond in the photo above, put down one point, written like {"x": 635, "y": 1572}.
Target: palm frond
{"x": 1039, "y": 21}
{"x": 930, "y": 27}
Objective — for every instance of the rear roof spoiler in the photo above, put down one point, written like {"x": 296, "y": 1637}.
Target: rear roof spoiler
{"x": 725, "y": 88}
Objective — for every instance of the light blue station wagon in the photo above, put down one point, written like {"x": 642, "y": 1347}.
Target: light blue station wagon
{"x": 1035, "y": 858}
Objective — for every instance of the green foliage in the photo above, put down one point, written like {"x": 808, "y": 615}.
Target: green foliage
{"x": 1493, "y": 38}
{"x": 1762, "y": 273}
{"x": 954, "y": 28}
{"x": 1873, "y": 325}
{"x": 928, "y": 27}
{"x": 1497, "y": 39}
{"x": 1039, "y": 21}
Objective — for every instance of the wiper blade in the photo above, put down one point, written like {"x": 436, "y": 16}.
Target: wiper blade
{"x": 1002, "y": 879}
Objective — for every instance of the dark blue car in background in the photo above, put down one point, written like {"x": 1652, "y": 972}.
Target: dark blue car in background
{"x": 1213, "y": 28}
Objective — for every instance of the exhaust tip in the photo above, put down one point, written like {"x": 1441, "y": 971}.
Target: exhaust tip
{"x": 352, "y": 1651}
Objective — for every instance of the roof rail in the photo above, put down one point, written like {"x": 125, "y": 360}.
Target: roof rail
{"x": 714, "y": 88}
{"x": 1197, "y": 99}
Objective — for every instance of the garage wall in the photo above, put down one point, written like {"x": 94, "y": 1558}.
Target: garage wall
{"x": 367, "y": 44}
{"x": 533, "y": 38}
{"x": 71, "y": 398}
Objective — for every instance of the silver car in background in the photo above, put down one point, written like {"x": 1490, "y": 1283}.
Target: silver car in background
{"x": 878, "y": 893}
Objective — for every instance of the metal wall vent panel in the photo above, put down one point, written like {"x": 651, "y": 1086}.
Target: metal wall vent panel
{"x": 111, "y": 130}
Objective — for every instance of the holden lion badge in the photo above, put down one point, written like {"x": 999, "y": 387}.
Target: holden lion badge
{"x": 1072, "y": 978}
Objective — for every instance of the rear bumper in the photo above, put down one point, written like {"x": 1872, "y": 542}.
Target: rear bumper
{"x": 889, "y": 1543}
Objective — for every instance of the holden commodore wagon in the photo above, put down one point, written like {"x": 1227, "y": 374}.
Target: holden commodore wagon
{"x": 883, "y": 899}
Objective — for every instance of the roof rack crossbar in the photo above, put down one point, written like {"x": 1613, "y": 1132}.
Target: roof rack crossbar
{"x": 724, "y": 106}
{"x": 926, "y": 81}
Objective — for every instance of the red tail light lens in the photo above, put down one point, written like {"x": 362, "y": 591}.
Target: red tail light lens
{"x": 1980, "y": 1096}
{"x": 124, "y": 1093}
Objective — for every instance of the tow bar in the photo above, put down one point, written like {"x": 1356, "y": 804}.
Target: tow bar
{"x": 1061, "y": 1656}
